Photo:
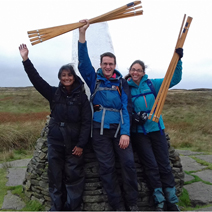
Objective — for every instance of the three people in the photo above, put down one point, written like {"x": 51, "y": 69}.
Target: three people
{"x": 69, "y": 130}
{"x": 148, "y": 137}
{"x": 112, "y": 108}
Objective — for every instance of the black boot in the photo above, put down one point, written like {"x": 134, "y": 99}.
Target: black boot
{"x": 172, "y": 207}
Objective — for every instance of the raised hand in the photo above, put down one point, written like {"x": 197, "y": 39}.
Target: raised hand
{"x": 82, "y": 30}
{"x": 23, "y": 51}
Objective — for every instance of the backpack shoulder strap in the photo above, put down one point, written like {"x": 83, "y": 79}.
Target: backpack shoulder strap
{"x": 151, "y": 86}
{"x": 97, "y": 84}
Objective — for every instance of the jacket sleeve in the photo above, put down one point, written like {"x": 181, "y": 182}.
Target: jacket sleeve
{"x": 126, "y": 108}
{"x": 85, "y": 67}
{"x": 86, "y": 118}
{"x": 177, "y": 76}
{"x": 39, "y": 83}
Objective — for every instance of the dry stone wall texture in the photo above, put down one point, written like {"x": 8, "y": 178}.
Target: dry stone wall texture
{"x": 94, "y": 197}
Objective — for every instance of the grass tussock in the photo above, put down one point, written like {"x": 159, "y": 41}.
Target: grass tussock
{"x": 23, "y": 114}
{"x": 20, "y": 135}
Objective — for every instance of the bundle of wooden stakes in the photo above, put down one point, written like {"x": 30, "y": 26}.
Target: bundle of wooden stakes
{"x": 129, "y": 10}
{"x": 161, "y": 96}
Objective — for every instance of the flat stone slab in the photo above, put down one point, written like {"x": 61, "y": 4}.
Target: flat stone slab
{"x": 199, "y": 193}
{"x": 207, "y": 158}
{"x": 17, "y": 163}
{"x": 15, "y": 176}
{"x": 188, "y": 152}
{"x": 188, "y": 177}
{"x": 190, "y": 164}
{"x": 205, "y": 175}
{"x": 12, "y": 202}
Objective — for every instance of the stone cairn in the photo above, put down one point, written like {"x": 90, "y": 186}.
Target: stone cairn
{"x": 35, "y": 184}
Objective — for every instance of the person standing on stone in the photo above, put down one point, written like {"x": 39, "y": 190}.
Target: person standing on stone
{"x": 112, "y": 108}
{"x": 148, "y": 137}
{"x": 69, "y": 130}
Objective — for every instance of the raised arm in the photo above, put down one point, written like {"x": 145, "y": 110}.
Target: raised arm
{"x": 82, "y": 30}
{"x": 39, "y": 83}
{"x": 85, "y": 67}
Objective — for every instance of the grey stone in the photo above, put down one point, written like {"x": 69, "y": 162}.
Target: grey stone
{"x": 94, "y": 198}
{"x": 188, "y": 152}
{"x": 199, "y": 193}
{"x": 17, "y": 163}
{"x": 190, "y": 164}
{"x": 20, "y": 163}
{"x": 16, "y": 176}
{"x": 188, "y": 178}
{"x": 205, "y": 175}
{"x": 12, "y": 202}
{"x": 207, "y": 158}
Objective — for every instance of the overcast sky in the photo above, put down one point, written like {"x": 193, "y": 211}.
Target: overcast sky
{"x": 151, "y": 37}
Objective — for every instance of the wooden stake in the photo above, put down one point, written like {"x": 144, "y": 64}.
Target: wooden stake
{"x": 160, "y": 99}
{"x": 38, "y": 36}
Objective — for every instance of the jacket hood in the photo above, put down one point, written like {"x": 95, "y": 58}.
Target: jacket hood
{"x": 101, "y": 75}
{"x": 78, "y": 84}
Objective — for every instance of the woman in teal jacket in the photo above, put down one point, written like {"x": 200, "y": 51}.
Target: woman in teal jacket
{"x": 148, "y": 137}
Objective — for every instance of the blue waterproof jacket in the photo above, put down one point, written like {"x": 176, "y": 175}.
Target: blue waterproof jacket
{"x": 106, "y": 98}
{"x": 146, "y": 101}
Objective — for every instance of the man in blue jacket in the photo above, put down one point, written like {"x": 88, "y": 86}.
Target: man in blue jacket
{"x": 112, "y": 108}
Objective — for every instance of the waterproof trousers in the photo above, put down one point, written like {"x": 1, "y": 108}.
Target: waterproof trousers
{"x": 66, "y": 178}
{"x": 106, "y": 147}
{"x": 152, "y": 150}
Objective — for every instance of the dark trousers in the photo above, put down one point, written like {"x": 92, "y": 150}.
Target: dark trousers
{"x": 105, "y": 147}
{"x": 152, "y": 150}
{"x": 66, "y": 178}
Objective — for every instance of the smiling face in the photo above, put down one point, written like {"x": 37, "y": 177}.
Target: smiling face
{"x": 67, "y": 79}
{"x": 137, "y": 73}
{"x": 108, "y": 66}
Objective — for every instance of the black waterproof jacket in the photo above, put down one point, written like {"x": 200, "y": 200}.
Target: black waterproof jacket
{"x": 70, "y": 114}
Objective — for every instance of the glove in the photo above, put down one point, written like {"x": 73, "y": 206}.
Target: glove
{"x": 179, "y": 51}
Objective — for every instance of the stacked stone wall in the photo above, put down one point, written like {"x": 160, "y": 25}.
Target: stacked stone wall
{"x": 94, "y": 196}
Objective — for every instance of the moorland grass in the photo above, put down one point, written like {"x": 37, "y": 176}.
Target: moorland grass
{"x": 187, "y": 119}
{"x": 23, "y": 114}
{"x": 186, "y": 115}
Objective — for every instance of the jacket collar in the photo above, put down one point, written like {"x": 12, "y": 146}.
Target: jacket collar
{"x": 133, "y": 84}
{"x": 101, "y": 76}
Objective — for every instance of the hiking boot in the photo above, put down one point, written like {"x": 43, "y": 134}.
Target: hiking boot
{"x": 172, "y": 207}
{"x": 133, "y": 208}
{"x": 161, "y": 207}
